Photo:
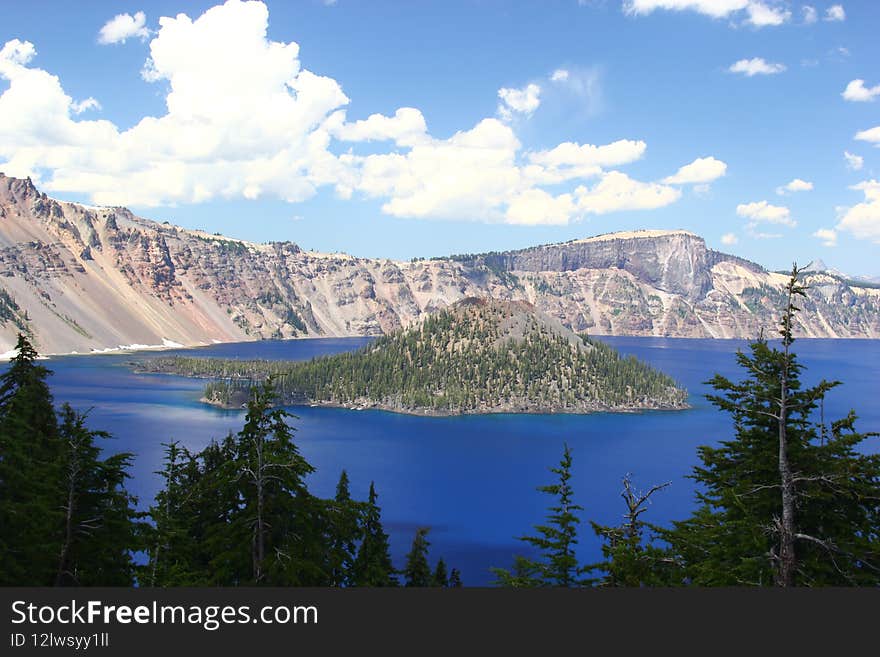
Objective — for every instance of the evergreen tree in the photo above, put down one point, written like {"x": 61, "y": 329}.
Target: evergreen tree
{"x": 100, "y": 526}
{"x": 344, "y": 534}
{"x": 786, "y": 501}
{"x": 372, "y": 566}
{"x": 417, "y": 572}
{"x": 556, "y": 540}
{"x": 176, "y": 537}
{"x": 276, "y": 506}
{"x": 441, "y": 578}
{"x": 454, "y": 579}
{"x": 31, "y": 516}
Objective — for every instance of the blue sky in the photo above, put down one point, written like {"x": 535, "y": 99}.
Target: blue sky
{"x": 499, "y": 124}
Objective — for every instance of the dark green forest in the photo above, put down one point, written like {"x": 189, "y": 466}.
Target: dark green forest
{"x": 470, "y": 358}
{"x": 236, "y": 513}
{"x": 788, "y": 500}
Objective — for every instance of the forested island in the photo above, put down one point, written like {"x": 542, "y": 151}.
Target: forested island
{"x": 478, "y": 356}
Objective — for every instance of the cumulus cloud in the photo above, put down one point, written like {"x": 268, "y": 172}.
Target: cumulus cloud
{"x": 796, "y": 185}
{"x": 406, "y": 128}
{"x": 701, "y": 170}
{"x": 871, "y": 135}
{"x": 857, "y": 92}
{"x": 863, "y": 220}
{"x": 570, "y": 160}
{"x": 827, "y": 235}
{"x": 616, "y": 191}
{"x": 853, "y": 162}
{"x": 519, "y": 101}
{"x": 764, "y": 212}
{"x": 289, "y": 134}
{"x": 536, "y": 206}
{"x": 762, "y": 15}
{"x": 559, "y": 75}
{"x": 756, "y": 66}
{"x": 729, "y": 239}
{"x": 122, "y": 27}
{"x": 810, "y": 15}
{"x": 835, "y": 13}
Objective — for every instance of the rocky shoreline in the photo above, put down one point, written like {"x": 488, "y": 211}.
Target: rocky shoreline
{"x": 523, "y": 409}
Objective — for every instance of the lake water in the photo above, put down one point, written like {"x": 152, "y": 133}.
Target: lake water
{"x": 470, "y": 479}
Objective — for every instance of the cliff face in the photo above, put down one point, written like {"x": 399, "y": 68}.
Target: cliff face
{"x": 83, "y": 279}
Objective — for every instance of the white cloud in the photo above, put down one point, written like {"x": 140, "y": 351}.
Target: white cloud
{"x": 701, "y": 170}
{"x": 854, "y": 162}
{"x": 857, "y": 92}
{"x": 762, "y": 15}
{"x": 535, "y": 206}
{"x": 729, "y": 239}
{"x": 810, "y": 15}
{"x": 616, "y": 191}
{"x": 764, "y": 212}
{"x": 520, "y": 101}
{"x": 122, "y": 27}
{"x": 835, "y": 13}
{"x": 796, "y": 185}
{"x": 84, "y": 105}
{"x": 17, "y": 53}
{"x": 559, "y": 75}
{"x": 871, "y": 135}
{"x": 571, "y": 160}
{"x": 406, "y": 128}
{"x": 713, "y": 8}
{"x": 863, "y": 220}
{"x": 827, "y": 235}
{"x": 756, "y": 66}
{"x": 270, "y": 141}
{"x": 288, "y": 134}
{"x": 758, "y": 13}
{"x": 471, "y": 175}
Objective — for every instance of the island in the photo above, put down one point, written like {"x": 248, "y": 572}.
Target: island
{"x": 477, "y": 356}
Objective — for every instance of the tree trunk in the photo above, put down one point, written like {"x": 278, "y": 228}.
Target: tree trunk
{"x": 786, "y": 564}
{"x": 260, "y": 546}
{"x": 72, "y": 475}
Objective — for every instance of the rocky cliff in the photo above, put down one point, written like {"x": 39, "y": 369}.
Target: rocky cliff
{"x": 82, "y": 279}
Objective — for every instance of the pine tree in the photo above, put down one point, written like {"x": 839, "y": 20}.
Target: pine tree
{"x": 556, "y": 540}
{"x": 31, "y": 498}
{"x": 344, "y": 533}
{"x": 441, "y": 578}
{"x": 417, "y": 572}
{"x": 174, "y": 543}
{"x": 786, "y": 501}
{"x": 454, "y": 579}
{"x": 276, "y": 506}
{"x": 101, "y": 527}
{"x": 372, "y": 566}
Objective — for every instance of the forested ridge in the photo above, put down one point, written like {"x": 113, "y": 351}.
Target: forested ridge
{"x": 478, "y": 356}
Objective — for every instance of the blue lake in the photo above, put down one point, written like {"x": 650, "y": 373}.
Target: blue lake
{"x": 470, "y": 479}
